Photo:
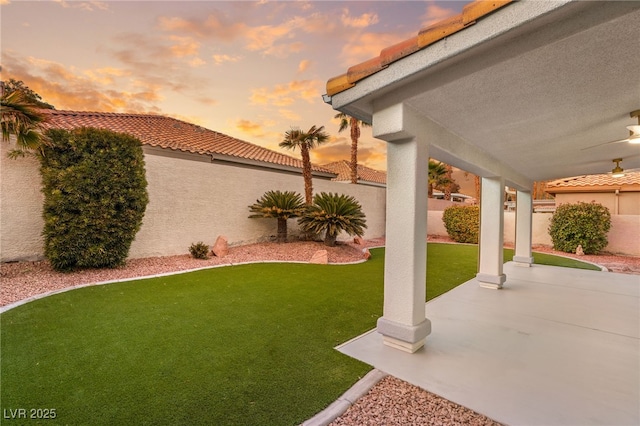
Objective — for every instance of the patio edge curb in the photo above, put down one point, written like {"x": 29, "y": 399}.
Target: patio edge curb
{"x": 347, "y": 399}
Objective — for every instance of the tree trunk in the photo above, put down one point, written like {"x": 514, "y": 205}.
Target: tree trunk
{"x": 306, "y": 174}
{"x": 330, "y": 239}
{"x": 447, "y": 188}
{"x": 430, "y": 191}
{"x": 282, "y": 230}
{"x": 476, "y": 182}
{"x": 355, "y": 135}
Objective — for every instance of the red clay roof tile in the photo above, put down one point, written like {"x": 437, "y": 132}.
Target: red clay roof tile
{"x": 426, "y": 36}
{"x": 343, "y": 170}
{"x": 170, "y": 133}
{"x": 595, "y": 181}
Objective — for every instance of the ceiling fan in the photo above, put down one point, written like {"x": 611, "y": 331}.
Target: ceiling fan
{"x": 618, "y": 171}
{"x": 634, "y": 133}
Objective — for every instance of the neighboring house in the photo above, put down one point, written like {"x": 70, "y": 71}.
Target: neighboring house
{"x": 200, "y": 184}
{"x": 366, "y": 175}
{"x": 620, "y": 195}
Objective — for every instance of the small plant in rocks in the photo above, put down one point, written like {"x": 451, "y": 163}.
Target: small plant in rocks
{"x": 199, "y": 250}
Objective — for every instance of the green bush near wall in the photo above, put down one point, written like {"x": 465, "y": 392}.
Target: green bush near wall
{"x": 462, "y": 223}
{"x": 95, "y": 193}
{"x": 584, "y": 224}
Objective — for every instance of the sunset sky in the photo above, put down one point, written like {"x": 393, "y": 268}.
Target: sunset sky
{"x": 249, "y": 69}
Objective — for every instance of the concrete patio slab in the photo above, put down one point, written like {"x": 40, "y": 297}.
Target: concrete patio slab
{"x": 555, "y": 346}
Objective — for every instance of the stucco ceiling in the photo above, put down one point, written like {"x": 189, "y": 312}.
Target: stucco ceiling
{"x": 532, "y": 85}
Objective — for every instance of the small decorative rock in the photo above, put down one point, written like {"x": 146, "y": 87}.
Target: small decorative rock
{"x": 358, "y": 241}
{"x": 366, "y": 254}
{"x": 221, "y": 247}
{"x": 320, "y": 257}
{"x": 579, "y": 250}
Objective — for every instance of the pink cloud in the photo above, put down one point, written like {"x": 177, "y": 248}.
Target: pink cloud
{"x": 362, "y": 21}
{"x": 436, "y": 13}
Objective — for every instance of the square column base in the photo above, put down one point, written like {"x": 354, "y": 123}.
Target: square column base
{"x": 407, "y": 338}
{"x": 523, "y": 261}
{"x": 494, "y": 282}
{"x": 403, "y": 346}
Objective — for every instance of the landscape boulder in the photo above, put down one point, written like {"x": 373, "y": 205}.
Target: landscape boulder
{"x": 358, "y": 241}
{"x": 221, "y": 246}
{"x": 366, "y": 254}
{"x": 320, "y": 257}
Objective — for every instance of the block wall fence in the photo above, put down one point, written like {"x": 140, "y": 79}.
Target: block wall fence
{"x": 192, "y": 199}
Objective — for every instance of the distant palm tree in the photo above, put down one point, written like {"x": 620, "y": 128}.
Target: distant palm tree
{"x": 20, "y": 117}
{"x": 279, "y": 205}
{"x": 305, "y": 141}
{"x": 437, "y": 176}
{"x": 332, "y": 214}
{"x": 354, "y": 124}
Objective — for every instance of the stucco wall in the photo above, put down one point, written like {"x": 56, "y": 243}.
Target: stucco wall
{"x": 623, "y": 236}
{"x": 20, "y": 207}
{"x": 623, "y": 203}
{"x": 190, "y": 200}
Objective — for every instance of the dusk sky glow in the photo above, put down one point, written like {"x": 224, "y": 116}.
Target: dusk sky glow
{"x": 249, "y": 69}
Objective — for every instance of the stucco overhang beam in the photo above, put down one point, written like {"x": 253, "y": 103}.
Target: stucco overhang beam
{"x": 399, "y": 121}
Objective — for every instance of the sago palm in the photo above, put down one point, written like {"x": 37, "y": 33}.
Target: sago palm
{"x": 279, "y": 205}
{"x": 354, "y": 125}
{"x": 332, "y": 214}
{"x": 305, "y": 141}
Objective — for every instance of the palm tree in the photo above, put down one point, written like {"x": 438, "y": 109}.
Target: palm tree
{"x": 331, "y": 214}
{"x": 354, "y": 125}
{"x": 437, "y": 176}
{"x": 20, "y": 117}
{"x": 280, "y": 205}
{"x": 305, "y": 141}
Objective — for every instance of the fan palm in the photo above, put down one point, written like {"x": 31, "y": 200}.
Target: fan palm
{"x": 437, "y": 176}
{"x": 279, "y": 205}
{"x": 21, "y": 118}
{"x": 331, "y": 214}
{"x": 354, "y": 125}
{"x": 305, "y": 141}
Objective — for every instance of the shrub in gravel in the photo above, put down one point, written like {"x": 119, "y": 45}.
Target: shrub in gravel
{"x": 584, "y": 224}
{"x": 462, "y": 223}
{"x": 199, "y": 250}
{"x": 95, "y": 196}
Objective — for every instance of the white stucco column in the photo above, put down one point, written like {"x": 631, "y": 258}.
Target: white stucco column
{"x": 524, "y": 219}
{"x": 404, "y": 325}
{"x": 491, "y": 233}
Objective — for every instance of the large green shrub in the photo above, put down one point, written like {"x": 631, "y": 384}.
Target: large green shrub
{"x": 584, "y": 224}
{"x": 462, "y": 223}
{"x": 333, "y": 213}
{"x": 95, "y": 197}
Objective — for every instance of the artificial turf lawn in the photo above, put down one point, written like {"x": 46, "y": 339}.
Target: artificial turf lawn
{"x": 249, "y": 344}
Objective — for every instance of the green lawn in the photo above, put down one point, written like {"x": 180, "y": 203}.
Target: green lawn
{"x": 248, "y": 344}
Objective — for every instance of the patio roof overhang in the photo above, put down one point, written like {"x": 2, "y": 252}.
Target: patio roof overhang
{"x": 521, "y": 93}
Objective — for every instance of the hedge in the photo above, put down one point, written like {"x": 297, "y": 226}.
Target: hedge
{"x": 95, "y": 197}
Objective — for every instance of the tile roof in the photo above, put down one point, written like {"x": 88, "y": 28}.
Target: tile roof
{"x": 170, "y": 133}
{"x": 630, "y": 181}
{"x": 426, "y": 36}
{"x": 343, "y": 169}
